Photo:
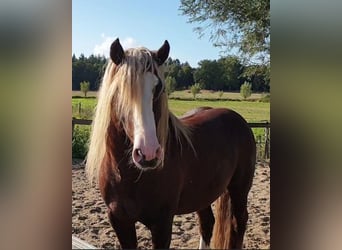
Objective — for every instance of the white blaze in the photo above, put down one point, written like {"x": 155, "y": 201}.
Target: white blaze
{"x": 145, "y": 136}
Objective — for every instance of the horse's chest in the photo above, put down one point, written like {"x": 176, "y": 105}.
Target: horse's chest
{"x": 137, "y": 204}
{"x": 124, "y": 208}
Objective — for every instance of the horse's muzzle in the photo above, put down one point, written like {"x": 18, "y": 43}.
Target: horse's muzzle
{"x": 144, "y": 164}
{"x": 152, "y": 164}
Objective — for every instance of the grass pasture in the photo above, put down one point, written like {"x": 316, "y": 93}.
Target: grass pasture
{"x": 186, "y": 95}
{"x": 251, "y": 111}
{"x": 214, "y": 95}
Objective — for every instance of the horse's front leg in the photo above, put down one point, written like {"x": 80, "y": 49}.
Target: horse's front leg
{"x": 161, "y": 231}
{"x": 125, "y": 231}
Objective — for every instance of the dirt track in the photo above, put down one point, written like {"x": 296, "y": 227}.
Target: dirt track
{"x": 90, "y": 223}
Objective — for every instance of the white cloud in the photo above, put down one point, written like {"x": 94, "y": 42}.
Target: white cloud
{"x": 129, "y": 42}
{"x": 103, "y": 48}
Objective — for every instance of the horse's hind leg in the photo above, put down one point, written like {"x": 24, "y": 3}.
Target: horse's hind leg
{"x": 206, "y": 220}
{"x": 238, "y": 190}
{"x": 125, "y": 231}
{"x": 239, "y": 221}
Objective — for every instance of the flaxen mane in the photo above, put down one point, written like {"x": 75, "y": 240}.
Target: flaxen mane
{"x": 120, "y": 90}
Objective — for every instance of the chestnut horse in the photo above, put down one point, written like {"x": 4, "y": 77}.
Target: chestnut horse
{"x": 151, "y": 165}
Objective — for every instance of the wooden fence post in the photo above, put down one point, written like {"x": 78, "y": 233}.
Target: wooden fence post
{"x": 73, "y": 127}
{"x": 267, "y": 135}
{"x": 79, "y": 108}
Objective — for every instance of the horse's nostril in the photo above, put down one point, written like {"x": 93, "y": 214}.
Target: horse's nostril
{"x": 138, "y": 156}
{"x": 139, "y": 152}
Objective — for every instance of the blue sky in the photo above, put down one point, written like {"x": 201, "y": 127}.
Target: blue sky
{"x": 96, "y": 23}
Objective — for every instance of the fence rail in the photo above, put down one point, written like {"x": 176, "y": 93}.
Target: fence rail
{"x": 77, "y": 243}
{"x": 263, "y": 143}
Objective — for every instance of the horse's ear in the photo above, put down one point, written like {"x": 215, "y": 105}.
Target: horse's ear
{"x": 163, "y": 53}
{"x": 116, "y": 52}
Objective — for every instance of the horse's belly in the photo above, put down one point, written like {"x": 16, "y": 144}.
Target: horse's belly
{"x": 194, "y": 199}
{"x": 203, "y": 187}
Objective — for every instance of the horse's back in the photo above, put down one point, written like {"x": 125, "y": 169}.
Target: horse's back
{"x": 193, "y": 112}
{"x": 216, "y": 116}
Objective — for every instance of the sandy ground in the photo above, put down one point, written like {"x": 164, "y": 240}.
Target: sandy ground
{"x": 90, "y": 222}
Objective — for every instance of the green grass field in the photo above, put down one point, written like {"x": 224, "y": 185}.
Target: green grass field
{"x": 209, "y": 94}
{"x": 186, "y": 94}
{"x": 251, "y": 111}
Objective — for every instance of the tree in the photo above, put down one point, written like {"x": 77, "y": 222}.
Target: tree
{"x": 259, "y": 76}
{"x": 185, "y": 77}
{"x": 246, "y": 90}
{"x": 232, "y": 70}
{"x": 87, "y": 69}
{"x": 170, "y": 84}
{"x": 209, "y": 75}
{"x": 182, "y": 72}
{"x": 85, "y": 87}
{"x": 195, "y": 89}
{"x": 233, "y": 23}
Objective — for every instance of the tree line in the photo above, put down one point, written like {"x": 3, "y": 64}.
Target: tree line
{"x": 87, "y": 69}
{"x": 227, "y": 73}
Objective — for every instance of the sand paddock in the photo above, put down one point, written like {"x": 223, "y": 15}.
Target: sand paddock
{"x": 90, "y": 222}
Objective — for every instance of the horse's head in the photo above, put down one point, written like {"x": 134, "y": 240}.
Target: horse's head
{"x": 142, "y": 102}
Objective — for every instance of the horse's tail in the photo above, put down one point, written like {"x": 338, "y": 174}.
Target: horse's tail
{"x": 223, "y": 221}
